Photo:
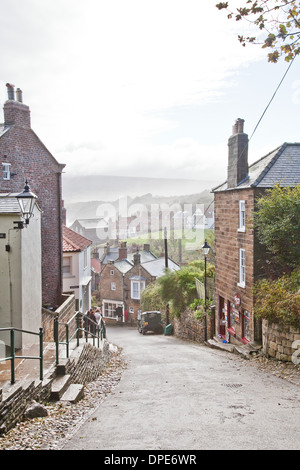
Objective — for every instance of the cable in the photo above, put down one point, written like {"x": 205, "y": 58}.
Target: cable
{"x": 272, "y": 97}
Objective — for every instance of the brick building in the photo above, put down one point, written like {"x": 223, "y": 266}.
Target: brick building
{"x": 123, "y": 280}
{"x": 24, "y": 156}
{"x": 240, "y": 259}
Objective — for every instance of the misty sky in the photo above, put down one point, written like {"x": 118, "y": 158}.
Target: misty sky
{"x": 142, "y": 88}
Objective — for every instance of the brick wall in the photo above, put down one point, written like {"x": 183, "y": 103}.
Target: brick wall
{"x": 228, "y": 241}
{"x": 31, "y": 160}
{"x": 122, "y": 293}
{"x": 106, "y": 281}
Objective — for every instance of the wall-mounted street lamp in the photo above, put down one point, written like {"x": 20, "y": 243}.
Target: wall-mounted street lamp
{"x": 205, "y": 251}
{"x": 26, "y": 201}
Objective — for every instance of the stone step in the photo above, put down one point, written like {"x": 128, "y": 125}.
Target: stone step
{"x": 218, "y": 345}
{"x": 59, "y": 386}
{"x": 73, "y": 394}
{"x": 61, "y": 367}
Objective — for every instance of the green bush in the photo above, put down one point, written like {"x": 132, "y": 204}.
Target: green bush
{"x": 279, "y": 301}
{"x": 176, "y": 288}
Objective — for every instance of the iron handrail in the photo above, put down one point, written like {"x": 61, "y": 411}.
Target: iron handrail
{"x": 13, "y": 356}
{"x": 100, "y": 332}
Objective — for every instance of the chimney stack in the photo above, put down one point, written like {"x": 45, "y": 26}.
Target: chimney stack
{"x": 136, "y": 258}
{"x": 123, "y": 251}
{"x": 237, "y": 170}
{"x": 15, "y": 112}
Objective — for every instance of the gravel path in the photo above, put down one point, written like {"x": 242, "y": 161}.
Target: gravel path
{"x": 51, "y": 432}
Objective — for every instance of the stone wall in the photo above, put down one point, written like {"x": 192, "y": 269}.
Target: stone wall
{"x": 279, "y": 342}
{"x": 85, "y": 364}
{"x": 64, "y": 312}
{"x": 188, "y": 327}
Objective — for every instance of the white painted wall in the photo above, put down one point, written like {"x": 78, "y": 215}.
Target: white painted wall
{"x": 20, "y": 278}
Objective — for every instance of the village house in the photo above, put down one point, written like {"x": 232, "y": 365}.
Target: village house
{"x": 77, "y": 268}
{"x": 24, "y": 157}
{"x": 123, "y": 280}
{"x": 240, "y": 259}
{"x": 20, "y": 272}
{"x": 95, "y": 229}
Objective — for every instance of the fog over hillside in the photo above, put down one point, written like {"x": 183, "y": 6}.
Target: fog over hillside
{"x": 84, "y": 194}
{"x": 109, "y": 188}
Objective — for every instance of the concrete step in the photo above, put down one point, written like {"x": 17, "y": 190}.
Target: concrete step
{"x": 61, "y": 367}
{"x": 218, "y": 345}
{"x": 73, "y": 394}
{"x": 59, "y": 386}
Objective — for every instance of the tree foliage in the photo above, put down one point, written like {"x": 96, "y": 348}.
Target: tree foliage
{"x": 279, "y": 301}
{"x": 277, "y": 220}
{"x": 176, "y": 288}
{"x": 278, "y": 23}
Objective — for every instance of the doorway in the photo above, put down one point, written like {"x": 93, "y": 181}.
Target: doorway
{"x": 222, "y": 317}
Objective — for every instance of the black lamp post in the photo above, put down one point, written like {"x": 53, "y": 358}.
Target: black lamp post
{"x": 26, "y": 201}
{"x": 205, "y": 251}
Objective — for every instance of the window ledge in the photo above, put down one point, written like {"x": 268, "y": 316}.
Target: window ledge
{"x": 243, "y": 285}
{"x": 241, "y": 229}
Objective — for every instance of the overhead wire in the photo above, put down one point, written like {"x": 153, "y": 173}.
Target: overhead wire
{"x": 264, "y": 112}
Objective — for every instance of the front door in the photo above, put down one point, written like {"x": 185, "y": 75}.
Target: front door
{"x": 222, "y": 319}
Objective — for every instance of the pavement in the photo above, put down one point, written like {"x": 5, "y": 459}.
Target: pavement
{"x": 177, "y": 394}
{"x": 28, "y": 369}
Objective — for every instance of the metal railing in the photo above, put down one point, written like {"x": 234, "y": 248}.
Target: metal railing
{"x": 13, "y": 355}
{"x": 91, "y": 329}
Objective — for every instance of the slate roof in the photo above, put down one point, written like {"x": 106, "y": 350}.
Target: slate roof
{"x": 73, "y": 242}
{"x": 144, "y": 254}
{"x": 9, "y": 204}
{"x": 157, "y": 267}
{"x": 281, "y": 166}
{"x": 123, "y": 265}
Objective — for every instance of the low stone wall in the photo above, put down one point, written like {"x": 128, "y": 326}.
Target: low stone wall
{"x": 85, "y": 364}
{"x": 188, "y": 327}
{"x": 280, "y": 342}
{"x": 64, "y": 312}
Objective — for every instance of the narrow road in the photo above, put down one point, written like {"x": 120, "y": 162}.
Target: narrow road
{"x": 177, "y": 395}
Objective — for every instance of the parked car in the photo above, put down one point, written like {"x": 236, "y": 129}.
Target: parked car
{"x": 150, "y": 321}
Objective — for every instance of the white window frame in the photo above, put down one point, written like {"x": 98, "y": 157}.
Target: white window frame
{"x": 6, "y": 171}
{"x": 242, "y": 216}
{"x": 113, "y": 286}
{"x": 136, "y": 292}
{"x": 69, "y": 265}
{"x": 242, "y": 267}
{"x": 112, "y": 272}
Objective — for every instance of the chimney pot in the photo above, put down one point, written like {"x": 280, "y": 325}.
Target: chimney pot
{"x": 19, "y": 95}
{"x": 10, "y": 91}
